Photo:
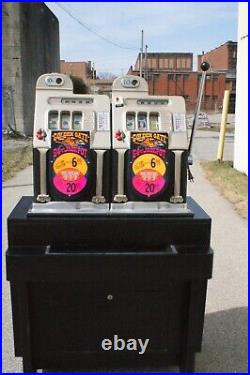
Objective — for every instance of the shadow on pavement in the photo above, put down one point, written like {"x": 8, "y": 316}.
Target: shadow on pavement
{"x": 224, "y": 346}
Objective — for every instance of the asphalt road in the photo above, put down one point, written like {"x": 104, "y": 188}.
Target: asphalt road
{"x": 225, "y": 331}
{"x": 206, "y": 144}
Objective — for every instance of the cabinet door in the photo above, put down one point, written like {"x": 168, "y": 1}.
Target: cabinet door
{"x": 69, "y": 317}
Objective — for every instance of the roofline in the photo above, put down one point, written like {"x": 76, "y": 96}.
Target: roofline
{"x": 228, "y": 42}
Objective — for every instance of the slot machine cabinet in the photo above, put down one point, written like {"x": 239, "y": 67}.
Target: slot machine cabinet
{"x": 150, "y": 142}
{"x": 71, "y": 148}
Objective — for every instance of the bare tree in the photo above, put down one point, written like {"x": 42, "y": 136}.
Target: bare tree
{"x": 79, "y": 86}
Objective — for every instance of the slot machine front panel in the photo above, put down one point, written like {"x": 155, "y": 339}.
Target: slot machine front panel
{"x": 150, "y": 146}
{"x": 71, "y": 144}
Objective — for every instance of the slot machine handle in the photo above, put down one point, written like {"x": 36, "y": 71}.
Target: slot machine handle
{"x": 204, "y": 67}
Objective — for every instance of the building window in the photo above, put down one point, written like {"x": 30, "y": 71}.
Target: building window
{"x": 183, "y": 63}
{"x": 153, "y": 63}
{"x": 161, "y": 63}
{"x": 178, "y": 77}
{"x": 185, "y": 76}
{"x": 171, "y": 63}
{"x": 170, "y": 77}
{"x": 188, "y": 63}
{"x": 178, "y": 63}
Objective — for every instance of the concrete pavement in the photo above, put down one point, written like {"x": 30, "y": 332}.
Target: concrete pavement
{"x": 13, "y": 189}
{"x": 225, "y": 331}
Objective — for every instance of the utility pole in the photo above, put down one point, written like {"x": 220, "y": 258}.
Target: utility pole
{"x": 93, "y": 78}
{"x": 141, "y": 53}
{"x": 146, "y": 63}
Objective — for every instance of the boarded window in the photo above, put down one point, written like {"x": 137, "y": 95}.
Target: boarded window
{"x": 161, "y": 63}
{"x": 188, "y": 63}
{"x": 171, "y": 63}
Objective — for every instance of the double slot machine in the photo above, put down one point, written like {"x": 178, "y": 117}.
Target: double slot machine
{"x": 90, "y": 159}
{"x": 110, "y": 245}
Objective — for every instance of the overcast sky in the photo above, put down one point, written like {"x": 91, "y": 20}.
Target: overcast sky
{"x": 168, "y": 27}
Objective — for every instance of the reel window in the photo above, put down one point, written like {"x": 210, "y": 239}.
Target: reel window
{"x": 53, "y": 120}
{"x": 130, "y": 120}
{"x": 77, "y": 120}
{"x": 154, "y": 121}
{"x": 65, "y": 120}
{"x": 142, "y": 121}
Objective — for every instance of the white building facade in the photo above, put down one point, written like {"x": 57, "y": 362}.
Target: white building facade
{"x": 241, "y": 111}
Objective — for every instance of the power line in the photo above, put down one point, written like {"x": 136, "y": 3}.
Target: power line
{"x": 93, "y": 31}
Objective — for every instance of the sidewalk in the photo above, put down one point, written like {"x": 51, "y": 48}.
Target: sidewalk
{"x": 225, "y": 332}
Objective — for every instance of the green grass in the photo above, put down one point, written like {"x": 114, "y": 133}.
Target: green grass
{"x": 230, "y": 182}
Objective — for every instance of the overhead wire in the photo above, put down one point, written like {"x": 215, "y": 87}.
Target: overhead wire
{"x": 93, "y": 31}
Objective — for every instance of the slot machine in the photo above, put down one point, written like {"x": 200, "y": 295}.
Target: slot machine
{"x": 71, "y": 148}
{"x": 150, "y": 143}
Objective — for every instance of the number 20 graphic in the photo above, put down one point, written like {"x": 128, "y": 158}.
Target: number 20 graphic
{"x": 149, "y": 171}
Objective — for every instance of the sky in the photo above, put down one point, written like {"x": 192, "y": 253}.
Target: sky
{"x": 168, "y": 27}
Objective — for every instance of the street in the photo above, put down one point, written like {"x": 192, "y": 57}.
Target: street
{"x": 225, "y": 331}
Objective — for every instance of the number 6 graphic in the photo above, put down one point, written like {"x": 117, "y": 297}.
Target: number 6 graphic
{"x": 153, "y": 163}
{"x": 74, "y": 162}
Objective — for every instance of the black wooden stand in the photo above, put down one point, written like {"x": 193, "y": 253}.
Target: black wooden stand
{"x": 78, "y": 280}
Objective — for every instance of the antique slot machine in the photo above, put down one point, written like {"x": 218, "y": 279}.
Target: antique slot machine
{"x": 71, "y": 148}
{"x": 151, "y": 149}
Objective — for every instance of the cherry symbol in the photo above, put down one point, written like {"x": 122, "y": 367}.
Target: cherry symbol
{"x": 41, "y": 134}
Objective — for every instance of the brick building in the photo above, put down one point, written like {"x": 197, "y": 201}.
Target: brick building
{"x": 222, "y": 58}
{"x": 79, "y": 69}
{"x": 100, "y": 86}
{"x": 166, "y": 60}
{"x": 172, "y": 74}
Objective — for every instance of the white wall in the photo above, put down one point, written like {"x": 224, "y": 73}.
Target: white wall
{"x": 241, "y": 112}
